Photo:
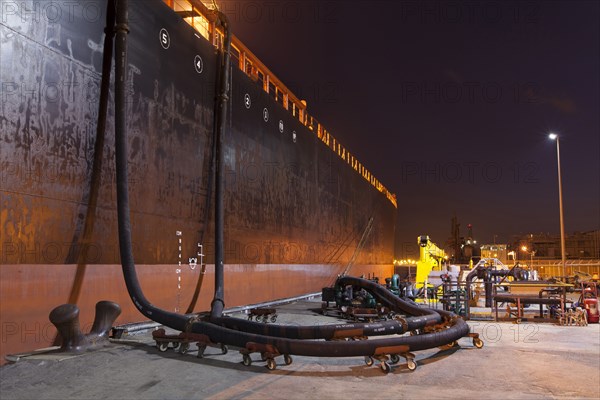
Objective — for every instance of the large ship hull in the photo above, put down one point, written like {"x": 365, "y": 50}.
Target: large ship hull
{"x": 294, "y": 210}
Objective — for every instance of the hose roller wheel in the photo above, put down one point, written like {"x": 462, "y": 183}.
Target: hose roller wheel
{"x": 411, "y": 364}
{"x": 201, "y": 349}
{"x": 246, "y": 360}
{"x": 162, "y": 346}
{"x": 385, "y": 367}
{"x": 184, "y": 347}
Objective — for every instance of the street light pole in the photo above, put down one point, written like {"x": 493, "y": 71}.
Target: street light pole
{"x": 553, "y": 136}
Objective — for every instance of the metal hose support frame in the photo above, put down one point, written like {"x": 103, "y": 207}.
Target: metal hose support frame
{"x": 216, "y": 333}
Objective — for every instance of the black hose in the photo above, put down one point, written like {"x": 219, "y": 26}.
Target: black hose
{"x": 217, "y": 333}
{"x": 389, "y": 299}
{"x": 175, "y": 321}
{"x": 334, "y": 348}
{"x": 474, "y": 273}
{"x": 218, "y": 303}
{"x": 421, "y": 317}
{"x": 207, "y": 206}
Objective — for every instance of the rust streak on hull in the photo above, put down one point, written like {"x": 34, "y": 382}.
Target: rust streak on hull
{"x": 25, "y": 307}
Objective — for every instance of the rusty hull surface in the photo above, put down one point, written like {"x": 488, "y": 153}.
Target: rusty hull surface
{"x": 24, "y": 307}
{"x": 294, "y": 209}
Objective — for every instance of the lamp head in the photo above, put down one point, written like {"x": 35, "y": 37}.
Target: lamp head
{"x": 552, "y": 136}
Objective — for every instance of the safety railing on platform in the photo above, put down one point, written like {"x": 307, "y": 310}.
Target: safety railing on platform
{"x": 547, "y": 269}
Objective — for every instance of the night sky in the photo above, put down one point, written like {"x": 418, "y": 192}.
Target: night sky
{"x": 449, "y": 104}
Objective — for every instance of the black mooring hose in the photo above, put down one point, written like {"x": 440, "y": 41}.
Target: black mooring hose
{"x": 420, "y": 318}
{"x": 218, "y": 303}
{"x": 217, "y": 333}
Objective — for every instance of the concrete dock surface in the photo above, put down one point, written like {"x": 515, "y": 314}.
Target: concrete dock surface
{"x": 518, "y": 361}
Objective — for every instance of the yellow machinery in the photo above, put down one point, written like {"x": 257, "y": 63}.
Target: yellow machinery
{"x": 431, "y": 258}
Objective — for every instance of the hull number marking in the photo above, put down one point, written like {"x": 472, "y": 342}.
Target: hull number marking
{"x": 165, "y": 39}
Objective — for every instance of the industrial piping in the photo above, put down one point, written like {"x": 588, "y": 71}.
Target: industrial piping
{"x": 486, "y": 273}
{"x": 421, "y": 318}
{"x": 218, "y": 333}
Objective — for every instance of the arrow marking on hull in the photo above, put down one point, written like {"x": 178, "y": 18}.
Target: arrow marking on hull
{"x": 198, "y": 64}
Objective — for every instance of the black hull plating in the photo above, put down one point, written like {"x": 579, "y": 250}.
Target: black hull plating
{"x": 293, "y": 208}
{"x": 289, "y": 198}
